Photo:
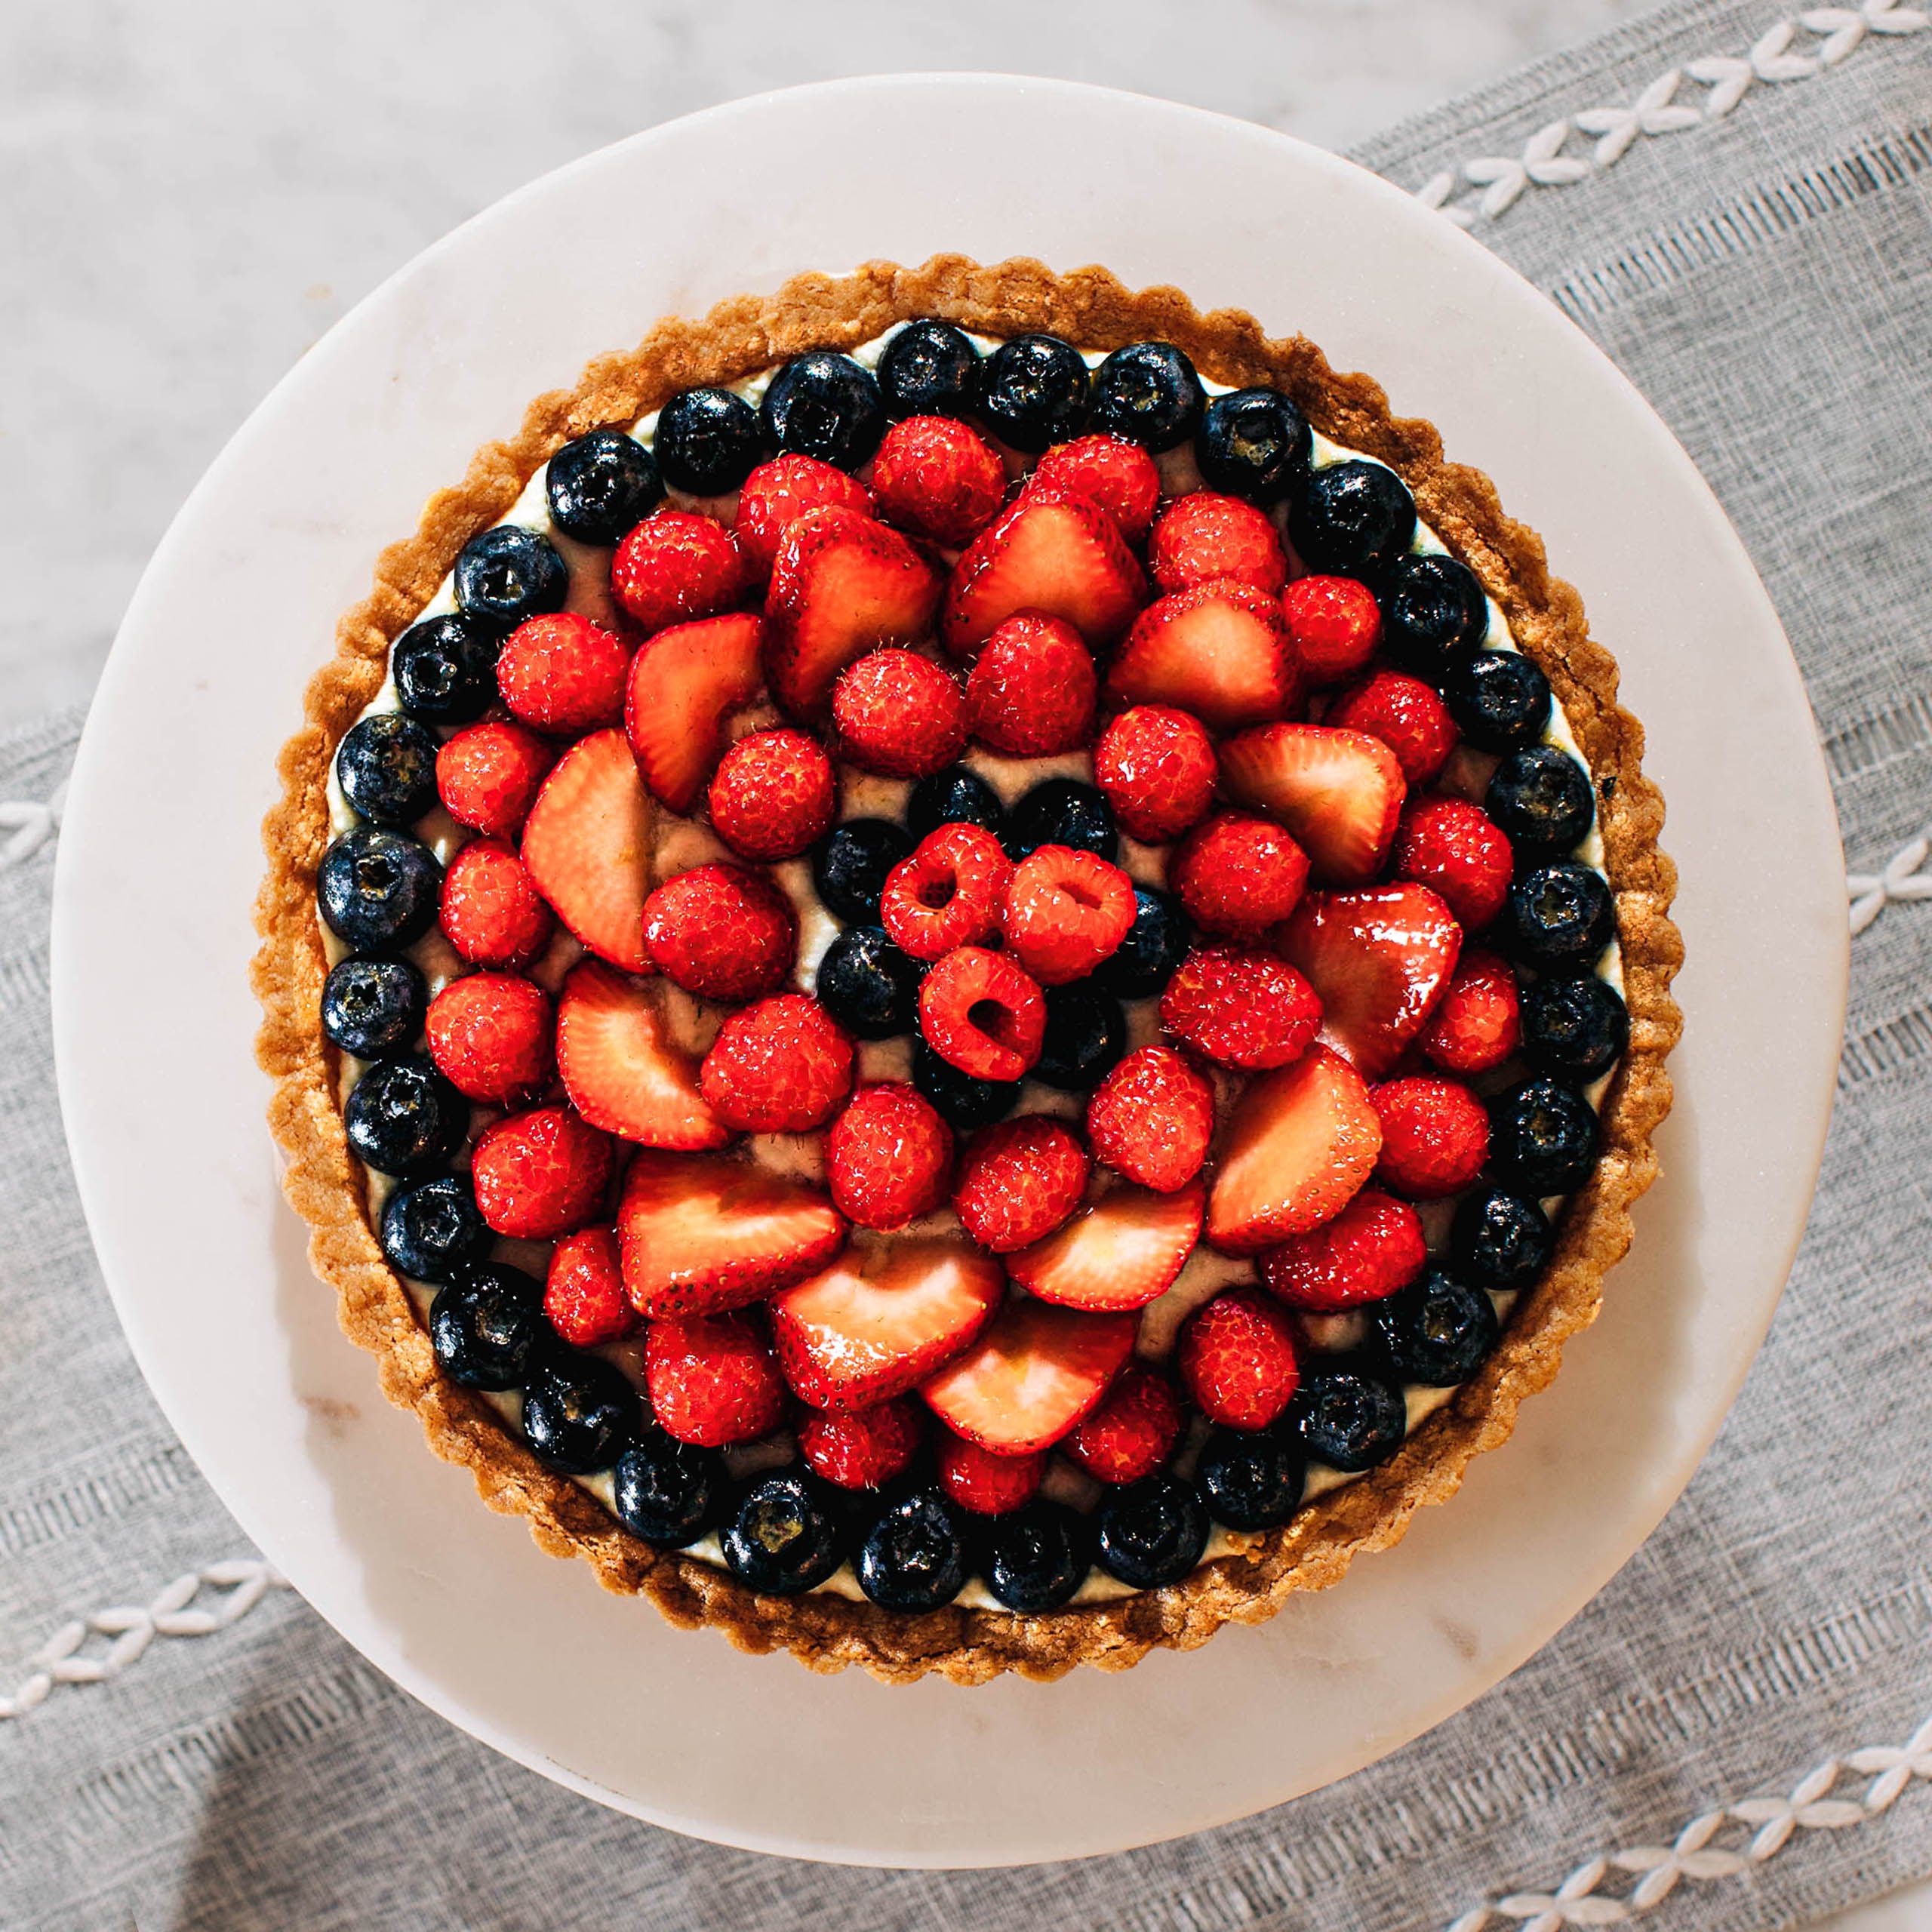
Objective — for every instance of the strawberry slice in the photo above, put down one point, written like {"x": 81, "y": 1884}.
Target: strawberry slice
{"x": 685, "y": 683}
{"x": 1036, "y": 1373}
{"x": 843, "y": 585}
{"x": 881, "y": 1318}
{"x": 700, "y": 1232}
{"x": 587, "y": 843}
{"x": 1301, "y": 1142}
{"x": 1123, "y": 1252}
{"x": 1054, "y": 550}
{"x": 1220, "y": 651}
{"x": 620, "y": 1066}
{"x": 1380, "y": 959}
{"x": 1340, "y": 792}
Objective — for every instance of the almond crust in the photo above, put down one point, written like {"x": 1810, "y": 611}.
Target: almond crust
{"x": 1089, "y": 307}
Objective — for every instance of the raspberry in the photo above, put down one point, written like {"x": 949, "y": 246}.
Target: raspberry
{"x": 1237, "y": 1354}
{"x": 947, "y": 893}
{"x": 540, "y": 1174}
{"x": 492, "y": 911}
{"x": 488, "y": 776}
{"x": 981, "y": 1013}
{"x": 1119, "y": 476}
{"x": 1030, "y": 692}
{"x": 712, "y": 1379}
{"x": 939, "y": 477}
{"x": 1477, "y": 1022}
{"x": 1066, "y": 910}
{"x": 1335, "y": 624}
{"x": 776, "y": 493}
{"x": 1456, "y": 850}
{"x": 772, "y": 794}
{"x": 782, "y": 1066}
{"x": 562, "y": 673}
{"x": 1132, "y": 1432}
{"x": 493, "y": 1036}
{"x": 1435, "y": 1137}
{"x": 1407, "y": 715}
{"x": 899, "y": 714}
{"x": 1152, "y": 1117}
{"x": 887, "y": 1156}
{"x": 584, "y": 1296}
{"x": 1018, "y": 1181}
{"x": 721, "y": 932}
{"x": 1205, "y": 538}
{"x": 863, "y": 1449}
{"x": 676, "y": 565}
{"x": 978, "y": 1481}
{"x": 1371, "y": 1249}
{"x": 1157, "y": 766}
{"x": 1238, "y": 875}
{"x": 1240, "y": 1008}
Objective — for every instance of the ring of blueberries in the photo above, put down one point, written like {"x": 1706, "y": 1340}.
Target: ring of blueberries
{"x": 786, "y": 1530}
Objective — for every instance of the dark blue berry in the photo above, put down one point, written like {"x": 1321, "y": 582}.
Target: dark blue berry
{"x": 963, "y": 1100}
{"x": 914, "y": 1556}
{"x": 823, "y": 404}
{"x": 957, "y": 796}
{"x": 386, "y": 766}
{"x": 378, "y": 890}
{"x": 445, "y": 670}
{"x": 708, "y": 441}
{"x": 1151, "y": 1533}
{"x": 1035, "y": 1558}
{"x": 666, "y": 1492}
{"x": 1155, "y": 945}
{"x": 1499, "y": 1239}
{"x": 1575, "y": 1028}
{"x": 433, "y": 1229}
{"x": 1348, "y": 1416}
{"x": 403, "y": 1117}
{"x": 785, "y": 1535}
{"x": 1086, "y": 1035}
{"x": 867, "y": 985}
{"x": 373, "y": 1007}
{"x": 1433, "y": 613}
{"x": 506, "y": 574}
{"x": 1062, "y": 811}
{"x": 1033, "y": 392}
{"x": 1543, "y": 1136}
{"x": 1558, "y": 918}
{"x": 484, "y": 1325}
{"x": 1351, "y": 519}
{"x": 1251, "y": 1479}
{"x": 1148, "y": 393}
{"x": 1434, "y": 1331}
{"x": 602, "y": 486}
{"x": 1541, "y": 799}
{"x": 928, "y": 369}
{"x": 1254, "y": 443}
{"x": 1498, "y": 699}
{"x": 849, "y": 868}
{"x": 579, "y": 1411}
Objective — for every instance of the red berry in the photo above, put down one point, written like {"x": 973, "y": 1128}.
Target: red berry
{"x": 782, "y": 1066}
{"x": 1031, "y": 691}
{"x": 1237, "y": 876}
{"x": 562, "y": 673}
{"x": 1371, "y": 1249}
{"x": 1435, "y": 1137}
{"x": 982, "y": 1482}
{"x": 862, "y": 1449}
{"x": 1237, "y": 1356}
{"x": 899, "y": 714}
{"x": 712, "y": 1379}
{"x": 1240, "y": 1008}
{"x": 772, "y": 794}
{"x": 584, "y": 1296}
{"x": 1119, "y": 476}
{"x": 492, "y": 911}
{"x": 1477, "y": 1023}
{"x": 1157, "y": 766}
{"x": 493, "y": 1036}
{"x": 721, "y": 932}
{"x": 1335, "y": 624}
{"x": 1152, "y": 1117}
{"x": 1018, "y": 1181}
{"x": 946, "y": 893}
{"x": 1132, "y": 1432}
{"x": 1456, "y": 850}
{"x": 488, "y": 776}
{"x": 674, "y": 566}
{"x": 1065, "y": 911}
{"x": 540, "y": 1174}
{"x": 980, "y": 1012}
{"x": 1205, "y": 538}
{"x": 776, "y": 493}
{"x": 1407, "y": 715}
{"x": 939, "y": 478}
{"x": 887, "y": 1156}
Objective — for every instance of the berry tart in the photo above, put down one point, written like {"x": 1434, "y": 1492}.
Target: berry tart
{"x": 967, "y": 972}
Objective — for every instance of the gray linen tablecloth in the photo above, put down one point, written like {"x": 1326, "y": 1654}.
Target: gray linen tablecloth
{"x": 1751, "y": 239}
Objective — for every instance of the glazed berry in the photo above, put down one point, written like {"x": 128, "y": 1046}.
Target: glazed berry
{"x": 676, "y": 566}
{"x": 1118, "y": 476}
{"x": 776, "y": 493}
{"x": 721, "y": 932}
{"x": 711, "y": 1378}
{"x": 785, "y": 1534}
{"x": 957, "y": 796}
{"x": 1204, "y": 538}
{"x": 1156, "y": 767}
{"x": 1541, "y": 798}
{"x": 1156, "y": 942}
{"x": 1559, "y": 918}
{"x": 579, "y": 1411}
{"x": 1086, "y": 1035}
{"x": 939, "y": 479}
{"x": 1436, "y": 1331}
{"x": 667, "y": 1493}
{"x": 862, "y": 1450}
{"x": 1253, "y": 443}
{"x": 850, "y": 869}
{"x": 402, "y": 1117}
{"x": 947, "y": 893}
{"x": 601, "y": 486}
{"x": 378, "y": 890}
{"x": 491, "y": 910}
{"x": 492, "y": 1037}
{"x": 772, "y": 794}
{"x": 1499, "y": 700}
{"x": 1433, "y": 612}
{"x": 1237, "y": 876}
{"x": 373, "y": 1007}
{"x": 1576, "y": 1028}
{"x": 1062, "y": 811}
{"x": 1500, "y": 1238}
{"x": 1348, "y": 1415}
{"x": 1149, "y": 394}
{"x": 1019, "y": 1181}
{"x": 899, "y": 714}
{"x": 386, "y": 766}
{"x": 1457, "y": 850}
{"x": 1435, "y": 1137}
{"x": 488, "y": 776}
{"x": 867, "y": 985}
{"x": 1251, "y": 1479}
{"x": 1476, "y": 1023}
{"x": 1241, "y": 1007}
{"x": 1032, "y": 690}
{"x": 1405, "y": 714}
{"x": 445, "y": 670}
{"x": 823, "y": 404}
{"x": 1335, "y": 623}
{"x": 1032, "y": 392}
{"x": 887, "y": 1157}
{"x": 982, "y": 1483}
{"x": 1373, "y": 1247}
{"x": 781, "y": 1066}
{"x": 563, "y": 674}
{"x": 1065, "y": 910}
{"x": 1351, "y": 519}
{"x": 484, "y": 1325}
{"x": 1152, "y": 1534}
{"x": 1132, "y": 1432}
{"x": 1036, "y": 1558}
{"x": 962, "y": 1099}
{"x": 708, "y": 441}
{"x": 506, "y": 574}
{"x": 583, "y": 1292}
{"x": 914, "y": 1556}
{"x": 1238, "y": 1358}
{"x": 978, "y": 1010}
{"x": 1543, "y": 1137}
{"x": 540, "y": 1174}
{"x": 431, "y": 1229}
{"x": 1151, "y": 1119}
{"x": 929, "y": 368}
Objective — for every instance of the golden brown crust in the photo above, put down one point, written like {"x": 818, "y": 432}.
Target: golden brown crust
{"x": 828, "y": 1632}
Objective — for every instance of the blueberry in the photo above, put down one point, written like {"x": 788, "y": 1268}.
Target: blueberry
{"x": 378, "y": 890}
{"x": 445, "y": 670}
{"x": 509, "y": 573}
{"x": 1351, "y": 519}
{"x": 1499, "y": 700}
{"x": 1155, "y": 945}
{"x": 957, "y": 796}
{"x": 928, "y": 369}
{"x": 868, "y": 985}
{"x": 1036, "y": 1557}
{"x": 963, "y": 1100}
{"x": 1435, "y": 1331}
{"x": 667, "y": 1492}
{"x": 823, "y": 404}
{"x": 402, "y": 1117}
{"x": 1434, "y": 613}
{"x": 601, "y": 486}
{"x": 1251, "y": 1479}
{"x": 373, "y": 1007}
{"x": 708, "y": 441}
{"x": 1348, "y": 1416}
{"x": 914, "y": 1556}
{"x": 1499, "y": 1239}
{"x": 1033, "y": 392}
{"x": 1062, "y": 811}
{"x": 849, "y": 868}
{"x": 484, "y": 1325}
{"x": 785, "y": 1535}
{"x": 1559, "y": 918}
{"x": 1575, "y": 1028}
{"x": 433, "y": 1229}
{"x": 1541, "y": 798}
{"x": 1254, "y": 443}
{"x": 1543, "y": 1136}
{"x": 1148, "y": 393}
{"x": 386, "y": 766}
{"x": 1086, "y": 1035}
{"x": 1151, "y": 1532}
{"x": 579, "y": 1411}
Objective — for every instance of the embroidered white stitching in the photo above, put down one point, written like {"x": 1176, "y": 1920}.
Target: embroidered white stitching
{"x": 1901, "y": 880}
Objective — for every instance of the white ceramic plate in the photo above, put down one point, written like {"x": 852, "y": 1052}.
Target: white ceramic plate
{"x": 159, "y": 861}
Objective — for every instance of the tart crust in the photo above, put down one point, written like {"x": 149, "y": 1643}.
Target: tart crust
{"x": 1091, "y": 308}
